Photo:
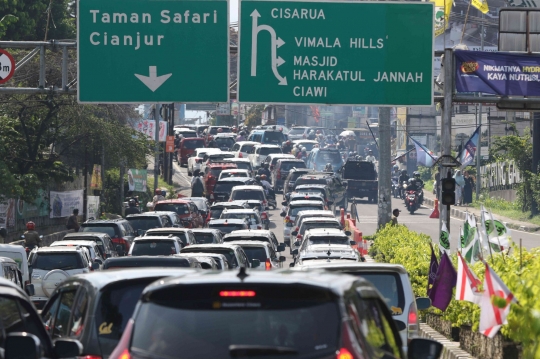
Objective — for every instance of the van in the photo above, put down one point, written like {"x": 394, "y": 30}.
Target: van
{"x": 18, "y": 254}
{"x": 187, "y": 147}
{"x": 9, "y": 269}
{"x": 270, "y": 137}
{"x": 320, "y": 157}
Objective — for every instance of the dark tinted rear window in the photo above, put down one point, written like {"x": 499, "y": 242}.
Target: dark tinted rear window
{"x": 273, "y": 137}
{"x": 286, "y": 166}
{"x": 243, "y": 238}
{"x": 297, "y": 131}
{"x": 299, "y": 317}
{"x": 144, "y": 223}
{"x": 311, "y": 180}
{"x": 227, "y": 228}
{"x": 226, "y": 186}
{"x": 179, "y": 208}
{"x": 265, "y": 151}
{"x": 116, "y": 306}
{"x": 64, "y": 261}
{"x": 359, "y": 170}
{"x": 193, "y": 144}
{"x": 294, "y": 210}
{"x": 134, "y": 262}
{"x": 247, "y": 148}
{"x": 228, "y": 253}
{"x": 224, "y": 141}
{"x": 389, "y": 284}
{"x": 243, "y": 165}
{"x": 333, "y": 157}
{"x": 255, "y": 253}
{"x": 247, "y": 194}
{"x": 204, "y": 238}
{"x": 308, "y": 226}
{"x": 215, "y": 213}
{"x": 100, "y": 228}
{"x": 153, "y": 248}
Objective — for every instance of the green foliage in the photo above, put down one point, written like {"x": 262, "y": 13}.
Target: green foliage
{"x": 254, "y": 115}
{"x": 399, "y": 245}
{"x": 426, "y": 173}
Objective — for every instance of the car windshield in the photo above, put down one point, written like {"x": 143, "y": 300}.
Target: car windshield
{"x": 265, "y": 151}
{"x": 228, "y": 253}
{"x": 255, "y": 253}
{"x": 294, "y": 210}
{"x": 227, "y": 228}
{"x": 243, "y": 165}
{"x": 388, "y": 284}
{"x": 303, "y": 319}
{"x": 325, "y": 225}
{"x": 250, "y": 217}
{"x": 216, "y": 213}
{"x": 179, "y": 208}
{"x": 224, "y": 142}
{"x": 246, "y": 148}
{"x": 247, "y": 195}
{"x": 333, "y": 157}
{"x": 100, "y": 229}
{"x": 233, "y": 174}
{"x": 286, "y": 166}
{"x": 50, "y": 261}
{"x": 144, "y": 223}
{"x": 17, "y": 257}
{"x": 203, "y": 238}
{"x": 328, "y": 240}
{"x": 200, "y": 203}
{"x": 226, "y": 187}
{"x": 181, "y": 235}
{"x": 297, "y": 131}
{"x": 116, "y": 306}
{"x": 274, "y": 137}
{"x": 193, "y": 144}
{"x": 153, "y": 248}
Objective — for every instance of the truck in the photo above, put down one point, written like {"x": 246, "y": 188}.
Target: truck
{"x": 361, "y": 177}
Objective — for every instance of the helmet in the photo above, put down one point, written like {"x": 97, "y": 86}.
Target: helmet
{"x": 263, "y": 177}
{"x": 403, "y": 172}
{"x": 157, "y": 191}
{"x": 288, "y": 142}
{"x": 131, "y": 202}
{"x": 219, "y": 130}
{"x": 396, "y": 167}
{"x": 411, "y": 180}
{"x": 210, "y": 138}
{"x": 163, "y": 192}
{"x": 258, "y": 178}
{"x": 416, "y": 174}
{"x": 351, "y": 153}
{"x": 318, "y": 131}
{"x": 370, "y": 151}
{"x": 304, "y": 149}
{"x": 30, "y": 226}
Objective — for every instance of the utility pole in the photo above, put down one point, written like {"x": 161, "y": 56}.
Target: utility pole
{"x": 122, "y": 169}
{"x": 171, "y": 133}
{"x": 156, "y": 149}
{"x": 479, "y": 147}
{"x": 385, "y": 182}
{"x": 446, "y": 122}
{"x": 165, "y": 174}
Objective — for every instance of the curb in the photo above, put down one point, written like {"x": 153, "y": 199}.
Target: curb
{"x": 451, "y": 349}
{"x": 458, "y": 213}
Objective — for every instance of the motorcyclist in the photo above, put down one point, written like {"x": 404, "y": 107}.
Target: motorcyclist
{"x": 264, "y": 170}
{"x": 370, "y": 157}
{"x": 395, "y": 171}
{"x": 328, "y": 168}
{"x": 211, "y": 142}
{"x": 311, "y": 135}
{"x": 132, "y": 209}
{"x": 341, "y": 145}
{"x": 404, "y": 177}
{"x": 31, "y": 237}
{"x": 135, "y": 198}
{"x": 267, "y": 188}
{"x": 419, "y": 185}
{"x": 287, "y": 146}
{"x": 302, "y": 155}
{"x": 241, "y": 136}
{"x": 158, "y": 196}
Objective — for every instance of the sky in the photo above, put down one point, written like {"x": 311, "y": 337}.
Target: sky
{"x": 233, "y": 4}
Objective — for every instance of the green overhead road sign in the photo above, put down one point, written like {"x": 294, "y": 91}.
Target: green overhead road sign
{"x": 153, "y": 51}
{"x": 348, "y": 53}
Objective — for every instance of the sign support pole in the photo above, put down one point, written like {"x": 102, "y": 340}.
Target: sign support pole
{"x": 384, "y": 199}
{"x": 446, "y": 125}
{"x": 156, "y": 149}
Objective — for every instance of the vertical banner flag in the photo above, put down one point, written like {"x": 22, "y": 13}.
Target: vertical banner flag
{"x": 494, "y": 304}
{"x": 444, "y": 239}
{"x": 92, "y": 206}
{"x": 63, "y": 203}
{"x": 137, "y": 180}
{"x": 443, "y": 8}
{"x": 96, "y": 182}
{"x": 481, "y": 5}
{"x": 497, "y": 235}
{"x": 470, "y": 242}
{"x": 467, "y": 155}
{"x": 433, "y": 268}
{"x": 445, "y": 281}
{"x": 468, "y": 284}
{"x": 424, "y": 156}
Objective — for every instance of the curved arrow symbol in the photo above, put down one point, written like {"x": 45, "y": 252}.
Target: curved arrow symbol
{"x": 153, "y": 82}
{"x": 276, "y": 43}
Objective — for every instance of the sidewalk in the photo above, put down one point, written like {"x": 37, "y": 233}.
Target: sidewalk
{"x": 460, "y": 212}
{"x": 181, "y": 183}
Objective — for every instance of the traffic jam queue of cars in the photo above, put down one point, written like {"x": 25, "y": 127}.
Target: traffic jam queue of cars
{"x": 210, "y": 277}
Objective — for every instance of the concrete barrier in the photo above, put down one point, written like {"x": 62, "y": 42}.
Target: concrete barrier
{"x": 361, "y": 244}
{"x": 47, "y": 239}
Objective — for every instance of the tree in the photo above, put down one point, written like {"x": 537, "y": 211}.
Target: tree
{"x": 254, "y": 115}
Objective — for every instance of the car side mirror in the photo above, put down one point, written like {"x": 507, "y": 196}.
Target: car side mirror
{"x": 352, "y": 243}
{"x": 282, "y": 258}
{"x": 67, "y": 348}
{"x": 294, "y": 233}
{"x": 281, "y": 247}
{"x": 95, "y": 266}
{"x": 255, "y": 263}
{"x": 348, "y": 233}
{"x": 284, "y": 203}
{"x": 400, "y": 325}
{"x": 282, "y": 214}
{"x": 421, "y": 348}
{"x": 29, "y": 289}
{"x": 22, "y": 346}
{"x": 295, "y": 252}
{"x": 297, "y": 243}
{"x": 423, "y": 303}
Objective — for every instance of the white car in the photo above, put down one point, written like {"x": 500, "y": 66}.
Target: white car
{"x": 194, "y": 162}
{"x": 263, "y": 252}
{"x": 292, "y": 210}
{"x": 308, "y": 144}
{"x": 155, "y": 246}
{"x": 258, "y": 154}
{"x": 241, "y": 163}
{"x": 233, "y": 173}
{"x": 92, "y": 247}
{"x": 255, "y": 236}
{"x": 241, "y": 149}
{"x": 251, "y": 215}
{"x": 18, "y": 254}
{"x": 249, "y": 192}
{"x": 52, "y": 265}
{"x": 307, "y": 223}
{"x": 325, "y": 244}
{"x": 214, "y": 158}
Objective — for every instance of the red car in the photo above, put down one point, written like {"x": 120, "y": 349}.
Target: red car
{"x": 211, "y": 175}
{"x": 187, "y": 147}
{"x": 186, "y": 210}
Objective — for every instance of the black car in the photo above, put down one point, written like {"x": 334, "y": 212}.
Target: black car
{"x": 145, "y": 221}
{"x": 150, "y": 261}
{"x": 335, "y": 185}
{"x": 95, "y": 308}
{"x": 280, "y": 313}
{"x": 223, "y": 187}
{"x": 290, "y": 180}
{"x": 120, "y": 230}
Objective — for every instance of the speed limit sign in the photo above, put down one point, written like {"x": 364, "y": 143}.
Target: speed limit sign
{"x": 7, "y": 66}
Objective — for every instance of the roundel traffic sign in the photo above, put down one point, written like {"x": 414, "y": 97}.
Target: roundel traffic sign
{"x": 7, "y": 66}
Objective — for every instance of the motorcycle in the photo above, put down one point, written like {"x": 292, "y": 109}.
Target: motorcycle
{"x": 395, "y": 187}
{"x": 412, "y": 200}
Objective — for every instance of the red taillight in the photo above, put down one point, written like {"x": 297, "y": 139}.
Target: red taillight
{"x": 240, "y": 155}
{"x": 412, "y": 319}
{"x": 344, "y": 354}
{"x": 121, "y": 351}
{"x": 287, "y": 219}
{"x": 210, "y": 177}
{"x": 259, "y": 227}
{"x": 237, "y": 293}
{"x": 93, "y": 357}
{"x": 299, "y": 236}
{"x": 125, "y": 354}
{"x": 267, "y": 264}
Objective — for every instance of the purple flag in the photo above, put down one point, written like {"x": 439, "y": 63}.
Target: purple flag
{"x": 445, "y": 281}
{"x": 433, "y": 267}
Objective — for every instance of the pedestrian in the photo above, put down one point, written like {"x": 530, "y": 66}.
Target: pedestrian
{"x": 467, "y": 188}
{"x": 197, "y": 186}
{"x": 31, "y": 237}
{"x": 395, "y": 215}
{"x": 3, "y": 235}
{"x": 72, "y": 222}
{"x": 370, "y": 157}
{"x": 460, "y": 183}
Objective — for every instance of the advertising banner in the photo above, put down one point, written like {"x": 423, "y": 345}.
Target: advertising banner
{"x": 92, "y": 207}
{"x": 148, "y": 127}
{"x": 63, "y": 203}
{"x": 38, "y": 208}
{"x": 95, "y": 183}
{"x": 7, "y": 213}
{"x": 497, "y": 73}
{"x": 137, "y": 180}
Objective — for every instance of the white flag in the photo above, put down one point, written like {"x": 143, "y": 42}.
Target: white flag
{"x": 492, "y": 316}
{"x": 444, "y": 239}
{"x": 496, "y": 232}
{"x": 467, "y": 286}
{"x": 469, "y": 240}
